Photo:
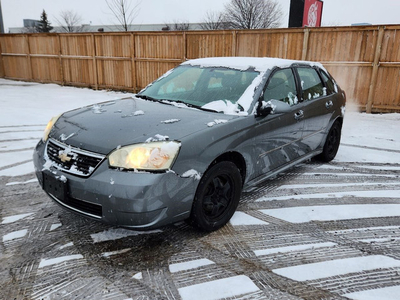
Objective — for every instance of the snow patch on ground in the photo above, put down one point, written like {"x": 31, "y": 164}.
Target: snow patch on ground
{"x": 111, "y": 253}
{"x": 333, "y": 212}
{"x": 337, "y": 267}
{"x": 218, "y": 289}
{"x": 55, "y": 226}
{"x": 293, "y": 248}
{"x": 12, "y": 219}
{"x": 22, "y": 182}
{"x": 386, "y": 293}
{"x": 329, "y": 185}
{"x": 53, "y": 261}
{"x": 355, "y": 194}
{"x": 70, "y": 244}
{"x": 14, "y": 235}
{"x": 188, "y": 265}
{"x": 240, "y": 218}
{"x": 118, "y": 233}
{"x": 138, "y": 276}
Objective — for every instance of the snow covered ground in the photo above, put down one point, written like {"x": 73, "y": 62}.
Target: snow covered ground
{"x": 25, "y": 108}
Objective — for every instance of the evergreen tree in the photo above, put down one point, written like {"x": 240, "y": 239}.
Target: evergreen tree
{"x": 44, "y": 24}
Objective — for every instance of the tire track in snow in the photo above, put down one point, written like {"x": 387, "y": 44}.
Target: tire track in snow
{"x": 330, "y": 187}
{"x": 16, "y": 148}
{"x": 371, "y": 148}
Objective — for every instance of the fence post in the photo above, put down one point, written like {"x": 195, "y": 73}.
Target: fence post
{"x": 133, "y": 61}
{"x": 29, "y": 58}
{"x": 2, "y": 69}
{"x": 60, "y": 60}
{"x": 375, "y": 69}
{"x": 305, "y": 44}
{"x": 234, "y": 42}
{"x": 96, "y": 73}
{"x": 184, "y": 47}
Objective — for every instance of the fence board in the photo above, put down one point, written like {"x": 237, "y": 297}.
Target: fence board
{"x": 364, "y": 60}
{"x": 160, "y": 45}
{"x": 208, "y": 44}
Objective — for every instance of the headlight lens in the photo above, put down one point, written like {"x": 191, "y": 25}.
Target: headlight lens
{"x": 49, "y": 126}
{"x": 154, "y": 156}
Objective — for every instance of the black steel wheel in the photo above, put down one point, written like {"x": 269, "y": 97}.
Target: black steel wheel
{"x": 332, "y": 142}
{"x": 217, "y": 196}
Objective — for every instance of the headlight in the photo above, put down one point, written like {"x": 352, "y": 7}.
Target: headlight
{"x": 49, "y": 126}
{"x": 154, "y": 156}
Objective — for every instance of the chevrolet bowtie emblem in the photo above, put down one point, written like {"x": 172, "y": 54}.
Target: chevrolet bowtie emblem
{"x": 64, "y": 157}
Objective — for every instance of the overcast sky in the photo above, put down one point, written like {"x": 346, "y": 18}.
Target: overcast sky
{"x": 335, "y": 13}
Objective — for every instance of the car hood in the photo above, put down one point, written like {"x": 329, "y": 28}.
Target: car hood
{"x": 103, "y": 127}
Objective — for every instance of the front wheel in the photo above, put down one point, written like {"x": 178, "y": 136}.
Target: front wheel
{"x": 217, "y": 196}
{"x": 332, "y": 143}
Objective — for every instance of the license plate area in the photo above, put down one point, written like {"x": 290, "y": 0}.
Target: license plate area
{"x": 55, "y": 187}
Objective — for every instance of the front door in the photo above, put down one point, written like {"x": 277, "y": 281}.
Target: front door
{"x": 278, "y": 135}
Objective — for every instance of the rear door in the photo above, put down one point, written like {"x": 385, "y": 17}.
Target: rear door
{"x": 317, "y": 106}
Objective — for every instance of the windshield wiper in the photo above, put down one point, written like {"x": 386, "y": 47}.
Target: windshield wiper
{"x": 193, "y": 106}
{"x": 145, "y": 97}
{"x": 171, "y": 102}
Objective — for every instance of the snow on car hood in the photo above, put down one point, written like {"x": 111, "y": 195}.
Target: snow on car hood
{"x": 103, "y": 127}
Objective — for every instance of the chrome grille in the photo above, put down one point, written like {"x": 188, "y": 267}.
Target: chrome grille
{"x": 72, "y": 160}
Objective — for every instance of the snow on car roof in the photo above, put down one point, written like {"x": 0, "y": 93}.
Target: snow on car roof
{"x": 261, "y": 64}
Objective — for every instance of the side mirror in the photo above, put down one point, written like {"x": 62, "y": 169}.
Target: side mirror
{"x": 272, "y": 107}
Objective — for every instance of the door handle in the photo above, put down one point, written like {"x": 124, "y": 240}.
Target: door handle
{"x": 328, "y": 104}
{"x": 299, "y": 115}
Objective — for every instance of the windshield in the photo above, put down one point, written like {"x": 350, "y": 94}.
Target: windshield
{"x": 201, "y": 86}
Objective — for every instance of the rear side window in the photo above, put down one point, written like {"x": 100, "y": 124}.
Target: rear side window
{"x": 311, "y": 84}
{"x": 329, "y": 84}
{"x": 282, "y": 87}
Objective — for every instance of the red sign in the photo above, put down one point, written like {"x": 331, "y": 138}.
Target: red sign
{"x": 312, "y": 13}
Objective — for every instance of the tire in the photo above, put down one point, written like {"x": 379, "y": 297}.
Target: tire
{"x": 217, "y": 197}
{"x": 332, "y": 143}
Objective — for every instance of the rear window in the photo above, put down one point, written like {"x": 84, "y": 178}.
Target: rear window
{"x": 329, "y": 84}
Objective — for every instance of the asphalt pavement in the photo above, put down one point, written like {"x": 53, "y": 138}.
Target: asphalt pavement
{"x": 50, "y": 253}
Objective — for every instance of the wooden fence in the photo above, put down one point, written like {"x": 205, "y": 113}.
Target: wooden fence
{"x": 364, "y": 60}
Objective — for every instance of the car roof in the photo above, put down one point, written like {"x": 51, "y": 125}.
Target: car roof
{"x": 261, "y": 64}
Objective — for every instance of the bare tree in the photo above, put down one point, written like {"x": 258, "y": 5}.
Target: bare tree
{"x": 70, "y": 21}
{"x": 124, "y": 11}
{"x": 214, "y": 21}
{"x": 253, "y": 14}
{"x": 181, "y": 25}
{"x": 28, "y": 29}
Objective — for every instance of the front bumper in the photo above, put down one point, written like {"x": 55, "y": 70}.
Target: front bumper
{"x": 137, "y": 200}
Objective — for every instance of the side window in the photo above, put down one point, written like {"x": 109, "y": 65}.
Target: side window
{"x": 311, "y": 84}
{"x": 329, "y": 84}
{"x": 282, "y": 87}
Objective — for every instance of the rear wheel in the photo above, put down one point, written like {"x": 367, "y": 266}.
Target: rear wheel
{"x": 332, "y": 143}
{"x": 217, "y": 196}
